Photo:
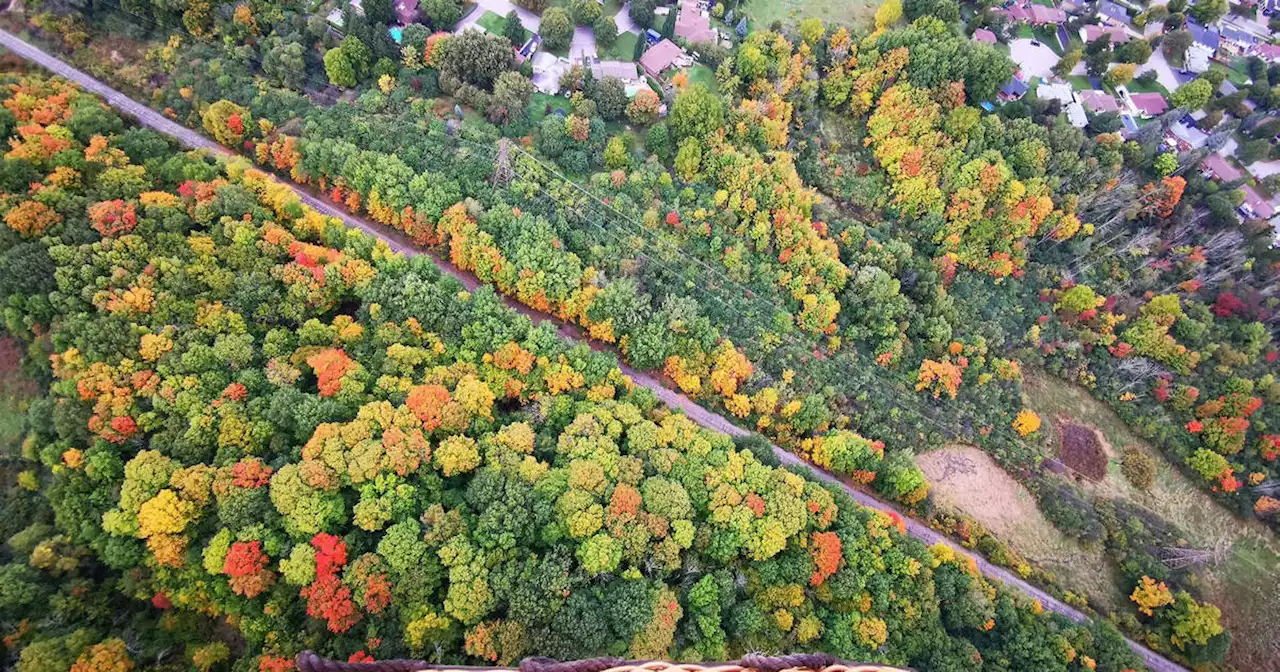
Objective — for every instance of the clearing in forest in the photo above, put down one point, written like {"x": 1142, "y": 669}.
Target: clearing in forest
{"x": 1246, "y": 581}
{"x": 966, "y": 479}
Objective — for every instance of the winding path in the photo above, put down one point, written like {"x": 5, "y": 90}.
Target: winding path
{"x": 400, "y": 243}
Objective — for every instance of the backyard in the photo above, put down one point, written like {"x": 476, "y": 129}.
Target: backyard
{"x": 859, "y": 13}
{"x": 496, "y": 24}
{"x": 623, "y": 49}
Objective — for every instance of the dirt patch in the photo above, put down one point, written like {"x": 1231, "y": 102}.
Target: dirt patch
{"x": 966, "y": 479}
{"x": 1081, "y": 450}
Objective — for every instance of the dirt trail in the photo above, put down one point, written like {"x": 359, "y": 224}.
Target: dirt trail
{"x": 400, "y": 243}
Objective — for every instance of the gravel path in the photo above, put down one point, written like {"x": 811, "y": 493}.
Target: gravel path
{"x": 398, "y": 242}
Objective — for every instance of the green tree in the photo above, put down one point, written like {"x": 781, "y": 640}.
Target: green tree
{"x": 379, "y": 11}
{"x": 442, "y": 14}
{"x": 605, "y": 31}
{"x": 338, "y": 67}
{"x": 1208, "y": 12}
{"x": 358, "y": 55}
{"x": 556, "y": 29}
{"x": 585, "y": 12}
{"x": 1193, "y": 95}
{"x": 1175, "y": 45}
{"x": 697, "y": 113}
{"x": 1134, "y": 51}
{"x": 641, "y": 11}
{"x": 513, "y": 29}
{"x": 1067, "y": 63}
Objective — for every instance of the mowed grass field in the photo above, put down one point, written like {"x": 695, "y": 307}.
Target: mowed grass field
{"x": 762, "y": 13}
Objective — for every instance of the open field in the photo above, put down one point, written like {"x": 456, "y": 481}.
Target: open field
{"x": 762, "y": 13}
{"x": 1245, "y": 583}
{"x": 966, "y": 479}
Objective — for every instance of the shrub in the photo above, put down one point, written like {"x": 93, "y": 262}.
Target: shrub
{"x": 1139, "y": 468}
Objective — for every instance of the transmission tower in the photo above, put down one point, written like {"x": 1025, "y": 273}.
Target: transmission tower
{"x": 502, "y": 172}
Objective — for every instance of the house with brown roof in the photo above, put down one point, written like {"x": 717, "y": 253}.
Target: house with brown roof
{"x": 1149, "y": 104}
{"x": 659, "y": 57}
{"x": 984, "y": 36}
{"x": 1098, "y": 101}
{"x": 1093, "y": 31}
{"x": 1255, "y": 206}
{"x": 1268, "y": 52}
{"x": 693, "y": 25}
{"x": 1024, "y": 11}
{"x": 1217, "y": 167}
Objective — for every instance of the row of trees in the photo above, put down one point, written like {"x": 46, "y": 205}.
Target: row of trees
{"x": 260, "y": 419}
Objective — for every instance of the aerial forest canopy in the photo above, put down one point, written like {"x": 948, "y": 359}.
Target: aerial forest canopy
{"x": 264, "y": 430}
{"x": 842, "y": 237}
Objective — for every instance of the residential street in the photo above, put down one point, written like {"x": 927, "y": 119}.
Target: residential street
{"x": 1165, "y": 73}
{"x": 1034, "y": 61}
{"x": 399, "y": 243}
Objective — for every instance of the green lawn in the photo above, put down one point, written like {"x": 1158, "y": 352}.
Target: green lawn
{"x": 1236, "y": 77}
{"x": 537, "y": 110}
{"x": 856, "y": 13}
{"x": 496, "y": 23}
{"x": 1079, "y": 82}
{"x": 624, "y": 49}
{"x": 701, "y": 74}
{"x": 1154, "y": 87}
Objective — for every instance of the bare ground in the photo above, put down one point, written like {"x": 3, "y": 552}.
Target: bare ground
{"x": 966, "y": 479}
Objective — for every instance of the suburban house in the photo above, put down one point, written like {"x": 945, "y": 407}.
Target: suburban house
{"x": 1025, "y": 11}
{"x": 626, "y": 71}
{"x": 1197, "y": 58}
{"x": 547, "y": 71}
{"x": 1014, "y": 89}
{"x": 406, "y": 11}
{"x": 1060, "y": 92}
{"x": 1208, "y": 38}
{"x": 1255, "y": 206}
{"x": 1113, "y": 14}
{"x": 1217, "y": 167}
{"x": 1093, "y": 31}
{"x": 335, "y": 15}
{"x": 1236, "y": 41}
{"x": 1267, "y": 52}
{"x": 1141, "y": 105}
{"x": 1076, "y": 115}
{"x": 1098, "y": 102}
{"x": 660, "y": 57}
{"x": 693, "y": 25}
{"x": 984, "y": 36}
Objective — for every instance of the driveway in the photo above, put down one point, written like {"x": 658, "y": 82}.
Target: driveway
{"x": 1033, "y": 61}
{"x": 528, "y": 19}
{"x": 624, "y": 21}
{"x": 584, "y": 43}
{"x": 1168, "y": 77}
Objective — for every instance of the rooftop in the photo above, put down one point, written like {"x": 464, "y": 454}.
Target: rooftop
{"x": 693, "y": 26}
{"x": 1014, "y": 88}
{"x": 984, "y": 36}
{"x": 660, "y": 56}
{"x": 1114, "y": 11}
{"x": 1259, "y": 205}
{"x": 624, "y": 70}
{"x": 1221, "y": 168}
{"x": 1150, "y": 103}
{"x": 1099, "y": 101}
{"x": 1209, "y": 37}
{"x": 1094, "y": 31}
